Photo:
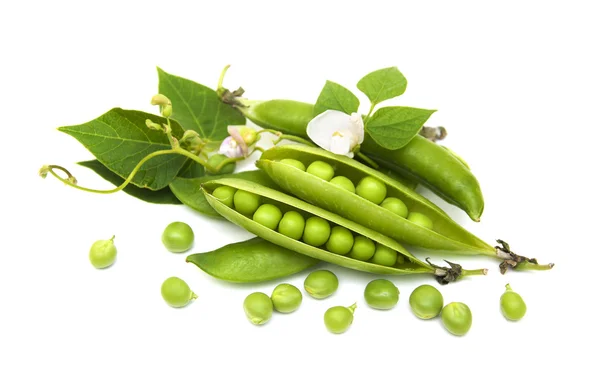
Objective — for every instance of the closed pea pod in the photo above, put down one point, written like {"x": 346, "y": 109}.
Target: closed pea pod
{"x": 288, "y": 203}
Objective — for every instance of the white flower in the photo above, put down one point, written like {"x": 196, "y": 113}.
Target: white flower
{"x": 337, "y": 132}
{"x": 234, "y": 146}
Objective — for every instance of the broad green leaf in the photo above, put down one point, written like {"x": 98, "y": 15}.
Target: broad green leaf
{"x": 187, "y": 190}
{"x": 162, "y": 196}
{"x": 393, "y": 127}
{"x": 383, "y": 84}
{"x": 336, "y": 97}
{"x": 191, "y": 169}
{"x": 198, "y": 107}
{"x": 119, "y": 139}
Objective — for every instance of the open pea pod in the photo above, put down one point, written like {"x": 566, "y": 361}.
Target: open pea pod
{"x": 409, "y": 264}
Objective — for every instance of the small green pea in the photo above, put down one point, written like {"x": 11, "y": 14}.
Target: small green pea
{"x": 512, "y": 305}
{"x": 292, "y": 225}
{"x": 258, "y": 308}
{"x": 316, "y": 231}
{"x": 396, "y": 206}
{"x": 321, "y": 169}
{"x": 340, "y": 241}
{"x": 286, "y": 298}
{"x": 344, "y": 183}
{"x": 103, "y": 253}
{"x": 421, "y": 220}
{"x": 371, "y": 189}
{"x": 178, "y": 237}
{"x": 294, "y": 163}
{"x": 321, "y": 284}
{"x": 216, "y": 160}
{"x": 384, "y": 256}
{"x": 339, "y": 318}
{"x": 245, "y": 202}
{"x": 176, "y": 292}
{"x": 363, "y": 248}
{"x": 381, "y": 294}
{"x": 268, "y": 215}
{"x": 426, "y": 302}
{"x": 225, "y": 195}
{"x": 457, "y": 318}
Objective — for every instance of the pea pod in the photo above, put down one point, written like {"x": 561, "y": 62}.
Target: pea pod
{"x": 420, "y": 160}
{"x": 251, "y": 261}
{"x": 409, "y": 265}
{"x": 444, "y": 234}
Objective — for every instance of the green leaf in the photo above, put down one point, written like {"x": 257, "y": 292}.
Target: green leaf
{"x": 393, "y": 127}
{"x": 336, "y": 97}
{"x": 383, "y": 84}
{"x": 187, "y": 190}
{"x": 164, "y": 196}
{"x": 191, "y": 169}
{"x": 198, "y": 107}
{"x": 119, "y": 139}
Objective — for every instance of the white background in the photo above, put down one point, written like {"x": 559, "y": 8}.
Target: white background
{"x": 515, "y": 83}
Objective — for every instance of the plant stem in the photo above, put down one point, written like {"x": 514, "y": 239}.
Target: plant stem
{"x": 369, "y": 161}
{"x": 222, "y": 77}
{"x": 289, "y": 137}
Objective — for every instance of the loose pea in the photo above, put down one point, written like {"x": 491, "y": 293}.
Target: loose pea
{"x": 321, "y": 169}
{"x": 512, "y": 305}
{"x": 457, "y": 318}
{"x": 268, "y": 215}
{"x": 225, "y": 195}
{"x": 396, "y": 206}
{"x": 321, "y": 284}
{"x": 381, "y": 294}
{"x": 340, "y": 241}
{"x": 420, "y": 219}
{"x": 316, "y": 231}
{"x": 426, "y": 302}
{"x": 343, "y": 182}
{"x": 286, "y": 298}
{"x": 292, "y": 225}
{"x": 363, "y": 248}
{"x": 371, "y": 189}
{"x": 245, "y": 202}
{"x": 178, "y": 237}
{"x": 384, "y": 256}
{"x": 216, "y": 160}
{"x": 258, "y": 308}
{"x": 176, "y": 292}
{"x": 294, "y": 163}
{"x": 103, "y": 253}
{"x": 339, "y": 318}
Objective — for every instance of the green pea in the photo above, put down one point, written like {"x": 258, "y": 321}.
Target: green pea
{"x": 216, "y": 160}
{"x": 292, "y": 225}
{"x": 321, "y": 284}
{"x": 384, "y": 256}
{"x": 381, "y": 294}
{"x": 339, "y": 318}
{"x": 258, "y": 308}
{"x": 457, "y": 318}
{"x": 421, "y": 220}
{"x": 396, "y": 206}
{"x": 316, "y": 231}
{"x": 245, "y": 202}
{"x": 340, "y": 241}
{"x": 512, "y": 305}
{"x": 363, "y": 248}
{"x": 344, "y": 183}
{"x": 426, "y": 302}
{"x": 176, "y": 292}
{"x": 268, "y": 215}
{"x": 225, "y": 195}
{"x": 321, "y": 169}
{"x": 286, "y": 298}
{"x": 371, "y": 189}
{"x": 400, "y": 260}
{"x": 178, "y": 237}
{"x": 294, "y": 163}
{"x": 103, "y": 253}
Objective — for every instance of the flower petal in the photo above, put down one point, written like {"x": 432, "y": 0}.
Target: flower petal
{"x": 340, "y": 144}
{"x": 357, "y": 127}
{"x": 230, "y": 148}
{"x": 234, "y": 132}
{"x": 321, "y": 128}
